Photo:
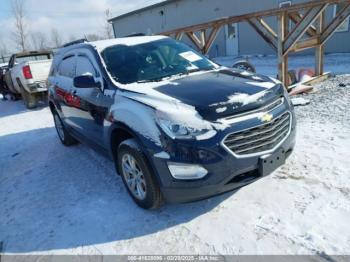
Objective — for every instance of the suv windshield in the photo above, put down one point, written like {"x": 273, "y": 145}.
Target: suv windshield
{"x": 153, "y": 61}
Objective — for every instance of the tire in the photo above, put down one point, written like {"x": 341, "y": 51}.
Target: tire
{"x": 244, "y": 65}
{"x": 138, "y": 177}
{"x": 29, "y": 99}
{"x": 62, "y": 132}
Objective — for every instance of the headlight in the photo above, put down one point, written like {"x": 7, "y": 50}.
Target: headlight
{"x": 180, "y": 131}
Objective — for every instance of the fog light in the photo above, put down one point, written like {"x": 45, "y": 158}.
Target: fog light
{"x": 187, "y": 171}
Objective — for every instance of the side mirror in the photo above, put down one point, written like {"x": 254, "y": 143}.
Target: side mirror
{"x": 85, "y": 81}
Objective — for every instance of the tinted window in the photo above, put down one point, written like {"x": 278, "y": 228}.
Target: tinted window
{"x": 67, "y": 67}
{"x": 84, "y": 66}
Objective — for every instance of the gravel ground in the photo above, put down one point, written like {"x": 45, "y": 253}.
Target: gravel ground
{"x": 58, "y": 200}
{"x": 330, "y": 102}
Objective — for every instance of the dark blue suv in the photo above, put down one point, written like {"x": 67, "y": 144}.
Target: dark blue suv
{"x": 178, "y": 126}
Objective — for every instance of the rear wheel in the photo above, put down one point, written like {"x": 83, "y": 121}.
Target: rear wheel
{"x": 62, "y": 132}
{"x": 138, "y": 178}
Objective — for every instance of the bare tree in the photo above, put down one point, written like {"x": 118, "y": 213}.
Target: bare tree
{"x": 39, "y": 40}
{"x": 56, "y": 38}
{"x": 19, "y": 13}
{"x": 108, "y": 32}
{"x": 72, "y": 38}
{"x": 3, "y": 52}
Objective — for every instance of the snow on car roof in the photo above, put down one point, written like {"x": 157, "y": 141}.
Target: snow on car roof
{"x": 129, "y": 41}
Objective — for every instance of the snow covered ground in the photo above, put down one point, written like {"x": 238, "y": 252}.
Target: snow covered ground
{"x": 58, "y": 200}
{"x": 266, "y": 65}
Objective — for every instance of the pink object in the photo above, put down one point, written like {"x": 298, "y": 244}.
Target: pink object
{"x": 305, "y": 74}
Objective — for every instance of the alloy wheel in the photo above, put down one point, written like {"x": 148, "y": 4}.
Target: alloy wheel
{"x": 134, "y": 177}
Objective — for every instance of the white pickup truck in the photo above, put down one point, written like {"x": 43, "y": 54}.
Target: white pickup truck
{"x": 27, "y": 75}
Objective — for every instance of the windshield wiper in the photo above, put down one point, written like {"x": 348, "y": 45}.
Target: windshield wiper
{"x": 150, "y": 80}
{"x": 199, "y": 70}
{"x": 187, "y": 72}
{"x": 190, "y": 71}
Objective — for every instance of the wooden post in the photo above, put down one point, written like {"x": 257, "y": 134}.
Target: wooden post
{"x": 319, "y": 48}
{"x": 282, "y": 56}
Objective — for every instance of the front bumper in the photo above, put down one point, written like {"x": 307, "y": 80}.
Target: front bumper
{"x": 226, "y": 171}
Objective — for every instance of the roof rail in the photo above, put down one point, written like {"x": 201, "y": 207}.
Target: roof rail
{"x": 135, "y": 34}
{"x": 79, "y": 41}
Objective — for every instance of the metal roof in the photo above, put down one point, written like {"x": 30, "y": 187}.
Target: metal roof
{"x": 165, "y": 2}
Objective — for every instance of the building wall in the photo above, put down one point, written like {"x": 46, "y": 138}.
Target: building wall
{"x": 180, "y": 13}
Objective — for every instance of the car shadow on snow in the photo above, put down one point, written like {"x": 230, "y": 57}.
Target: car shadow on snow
{"x": 9, "y": 107}
{"x": 54, "y": 197}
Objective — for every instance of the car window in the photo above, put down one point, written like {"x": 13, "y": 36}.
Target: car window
{"x": 32, "y": 58}
{"x": 67, "y": 67}
{"x": 84, "y": 67}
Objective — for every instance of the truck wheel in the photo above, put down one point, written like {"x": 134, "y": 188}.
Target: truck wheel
{"x": 29, "y": 99}
{"x": 62, "y": 132}
{"x": 138, "y": 178}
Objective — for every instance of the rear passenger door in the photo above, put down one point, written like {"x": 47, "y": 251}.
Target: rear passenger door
{"x": 63, "y": 82}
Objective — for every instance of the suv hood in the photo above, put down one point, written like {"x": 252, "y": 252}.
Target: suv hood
{"x": 214, "y": 95}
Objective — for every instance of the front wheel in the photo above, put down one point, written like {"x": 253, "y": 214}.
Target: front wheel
{"x": 137, "y": 176}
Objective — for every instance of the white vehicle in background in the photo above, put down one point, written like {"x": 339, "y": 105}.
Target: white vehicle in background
{"x": 27, "y": 75}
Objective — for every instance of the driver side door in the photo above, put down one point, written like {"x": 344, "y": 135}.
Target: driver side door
{"x": 92, "y": 109}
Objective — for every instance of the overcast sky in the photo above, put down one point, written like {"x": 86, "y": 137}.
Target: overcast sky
{"x": 72, "y": 18}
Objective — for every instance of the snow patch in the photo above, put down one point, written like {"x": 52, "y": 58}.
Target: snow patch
{"x": 162, "y": 155}
{"x": 267, "y": 85}
{"x": 243, "y": 99}
{"x": 221, "y": 109}
{"x": 141, "y": 118}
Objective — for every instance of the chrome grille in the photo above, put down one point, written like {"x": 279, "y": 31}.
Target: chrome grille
{"x": 260, "y": 138}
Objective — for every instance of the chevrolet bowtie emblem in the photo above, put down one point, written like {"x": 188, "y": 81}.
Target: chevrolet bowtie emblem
{"x": 266, "y": 118}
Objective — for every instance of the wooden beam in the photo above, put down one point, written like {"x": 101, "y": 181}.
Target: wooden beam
{"x": 319, "y": 52}
{"x": 300, "y": 29}
{"x": 337, "y": 21}
{"x": 203, "y": 37}
{"x": 240, "y": 18}
{"x": 179, "y": 35}
{"x": 213, "y": 34}
{"x": 313, "y": 80}
{"x": 265, "y": 31}
{"x": 295, "y": 17}
{"x": 306, "y": 44}
{"x": 192, "y": 36}
{"x": 282, "y": 56}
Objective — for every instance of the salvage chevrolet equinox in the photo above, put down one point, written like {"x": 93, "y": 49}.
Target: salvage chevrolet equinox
{"x": 178, "y": 127}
